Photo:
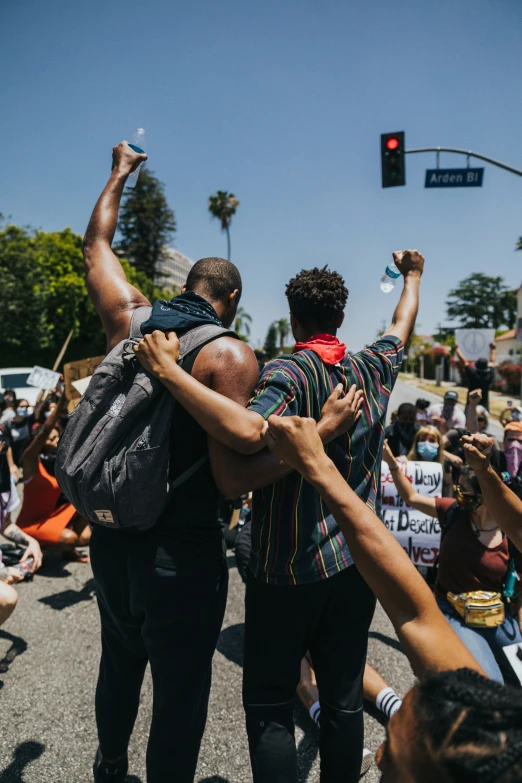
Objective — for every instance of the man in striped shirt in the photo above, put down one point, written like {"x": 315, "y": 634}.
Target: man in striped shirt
{"x": 303, "y": 592}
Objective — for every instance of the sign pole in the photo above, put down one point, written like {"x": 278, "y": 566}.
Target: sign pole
{"x": 469, "y": 154}
{"x": 62, "y": 352}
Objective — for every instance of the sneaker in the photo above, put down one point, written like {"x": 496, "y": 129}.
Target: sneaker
{"x": 366, "y": 762}
{"x": 110, "y": 773}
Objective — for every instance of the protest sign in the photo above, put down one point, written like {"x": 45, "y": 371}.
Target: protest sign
{"x": 474, "y": 343}
{"x": 42, "y": 378}
{"x": 417, "y": 533}
{"x": 75, "y": 371}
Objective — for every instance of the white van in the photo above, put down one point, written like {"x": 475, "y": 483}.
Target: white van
{"x": 16, "y": 378}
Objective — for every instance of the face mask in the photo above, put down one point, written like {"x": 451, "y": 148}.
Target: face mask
{"x": 47, "y": 414}
{"x": 515, "y": 415}
{"x": 513, "y": 454}
{"x": 427, "y": 450}
{"x": 467, "y": 502}
{"x": 22, "y": 412}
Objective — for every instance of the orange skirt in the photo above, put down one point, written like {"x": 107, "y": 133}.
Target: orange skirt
{"x": 48, "y": 531}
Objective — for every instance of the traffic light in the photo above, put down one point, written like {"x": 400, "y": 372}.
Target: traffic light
{"x": 392, "y": 159}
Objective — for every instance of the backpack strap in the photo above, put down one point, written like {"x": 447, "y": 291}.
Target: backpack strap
{"x": 139, "y": 315}
{"x": 200, "y": 336}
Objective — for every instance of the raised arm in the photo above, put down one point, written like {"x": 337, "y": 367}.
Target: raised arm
{"x": 411, "y": 265}
{"x": 112, "y": 296}
{"x": 492, "y": 355}
{"x": 475, "y": 398}
{"x": 405, "y": 489}
{"x": 463, "y": 362}
{"x": 502, "y": 502}
{"x": 32, "y": 453}
{"x": 428, "y": 640}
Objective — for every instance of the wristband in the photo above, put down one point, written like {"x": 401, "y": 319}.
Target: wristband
{"x": 392, "y": 470}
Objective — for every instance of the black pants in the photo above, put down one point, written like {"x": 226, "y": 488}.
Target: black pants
{"x": 163, "y": 603}
{"x": 331, "y": 619}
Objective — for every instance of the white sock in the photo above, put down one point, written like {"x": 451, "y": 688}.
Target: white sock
{"x": 315, "y": 713}
{"x": 388, "y": 702}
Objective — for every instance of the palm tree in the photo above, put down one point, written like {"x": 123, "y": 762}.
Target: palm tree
{"x": 223, "y": 205}
{"x": 243, "y": 322}
{"x": 283, "y": 327}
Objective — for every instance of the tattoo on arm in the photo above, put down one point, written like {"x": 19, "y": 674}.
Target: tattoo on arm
{"x": 14, "y": 534}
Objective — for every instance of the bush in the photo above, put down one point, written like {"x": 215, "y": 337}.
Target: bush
{"x": 510, "y": 378}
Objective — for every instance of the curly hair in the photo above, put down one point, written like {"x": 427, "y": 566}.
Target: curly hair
{"x": 317, "y": 297}
{"x": 471, "y": 726}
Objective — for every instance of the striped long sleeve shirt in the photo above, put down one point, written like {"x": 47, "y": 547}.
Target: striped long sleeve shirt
{"x": 295, "y": 539}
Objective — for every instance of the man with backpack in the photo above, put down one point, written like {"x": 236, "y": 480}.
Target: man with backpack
{"x": 303, "y": 591}
{"x": 161, "y": 583}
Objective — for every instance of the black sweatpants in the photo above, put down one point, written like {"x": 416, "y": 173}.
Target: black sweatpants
{"x": 331, "y": 619}
{"x": 162, "y": 602}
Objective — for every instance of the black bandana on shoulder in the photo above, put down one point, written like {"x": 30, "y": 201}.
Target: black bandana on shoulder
{"x": 181, "y": 313}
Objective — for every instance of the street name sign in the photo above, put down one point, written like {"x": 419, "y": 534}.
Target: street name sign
{"x": 454, "y": 178}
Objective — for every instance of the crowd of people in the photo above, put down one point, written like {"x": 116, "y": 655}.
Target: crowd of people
{"x": 302, "y": 443}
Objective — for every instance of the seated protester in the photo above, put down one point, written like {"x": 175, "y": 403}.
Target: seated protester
{"x": 18, "y": 430}
{"x": 466, "y": 728}
{"x": 401, "y": 433}
{"x": 478, "y": 450}
{"x": 474, "y": 555}
{"x": 447, "y": 415}
{"x": 422, "y": 411}
{"x": 428, "y": 446}
{"x": 511, "y": 413}
{"x": 511, "y": 458}
{"x": 9, "y": 409}
{"x": 46, "y": 514}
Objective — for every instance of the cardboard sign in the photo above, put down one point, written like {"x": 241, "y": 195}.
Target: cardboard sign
{"x": 417, "y": 533}
{"x": 474, "y": 343}
{"x": 42, "y": 378}
{"x": 75, "y": 371}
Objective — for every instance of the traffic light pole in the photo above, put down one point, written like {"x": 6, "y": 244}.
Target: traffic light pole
{"x": 468, "y": 154}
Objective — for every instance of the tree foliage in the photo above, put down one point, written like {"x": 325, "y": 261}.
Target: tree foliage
{"x": 283, "y": 328}
{"x": 270, "y": 346}
{"x": 243, "y": 324}
{"x": 43, "y": 296}
{"x": 481, "y": 301}
{"x": 146, "y": 224}
{"x": 222, "y": 205}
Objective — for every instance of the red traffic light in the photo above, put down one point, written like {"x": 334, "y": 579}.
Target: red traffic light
{"x": 392, "y": 143}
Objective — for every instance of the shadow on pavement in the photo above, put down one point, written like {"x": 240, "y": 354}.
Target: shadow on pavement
{"x": 23, "y": 755}
{"x": 54, "y": 566}
{"x": 18, "y": 646}
{"x": 230, "y": 643}
{"x": 68, "y": 598}
{"x": 381, "y": 637}
{"x": 214, "y": 779}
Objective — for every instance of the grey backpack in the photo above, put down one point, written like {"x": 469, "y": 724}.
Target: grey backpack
{"x": 112, "y": 462}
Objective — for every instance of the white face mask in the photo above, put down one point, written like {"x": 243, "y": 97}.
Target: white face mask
{"x": 23, "y": 412}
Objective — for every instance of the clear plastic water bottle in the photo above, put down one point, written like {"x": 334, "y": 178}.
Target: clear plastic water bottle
{"x": 389, "y": 278}
{"x": 138, "y": 143}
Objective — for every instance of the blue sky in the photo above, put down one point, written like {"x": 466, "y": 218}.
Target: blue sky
{"x": 281, "y": 102}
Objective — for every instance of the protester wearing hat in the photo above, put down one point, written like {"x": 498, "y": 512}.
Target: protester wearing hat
{"x": 447, "y": 415}
{"x": 481, "y": 376}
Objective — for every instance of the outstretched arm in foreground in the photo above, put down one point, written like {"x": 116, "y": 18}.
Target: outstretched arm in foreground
{"x": 500, "y": 499}
{"x": 112, "y": 296}
{"x": 428, "y": 640}
{"x": 411, "y": 265}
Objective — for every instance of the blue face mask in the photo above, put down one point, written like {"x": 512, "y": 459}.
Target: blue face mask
{"x": 427, "y": 450}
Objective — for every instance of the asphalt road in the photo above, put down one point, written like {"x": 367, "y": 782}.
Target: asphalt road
{"x": 48, "y": 665}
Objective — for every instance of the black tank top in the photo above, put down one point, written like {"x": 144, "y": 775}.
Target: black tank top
{"x": 193, "y": 512}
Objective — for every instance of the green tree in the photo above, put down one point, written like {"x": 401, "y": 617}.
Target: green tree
{"x": 43, "y": 296}
{"x": 222, "y": 205}
{"x": 146, "y": 224}
{"x": 480, "y": 301}
{"x": 270, "y": 346}
{"x": 519, "y": 244}
{"x": 283, "y": 327}
{"x": 243, "y": 324}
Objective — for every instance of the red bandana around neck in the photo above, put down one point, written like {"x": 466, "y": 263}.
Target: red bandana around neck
{"x": 326, "y": 346}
